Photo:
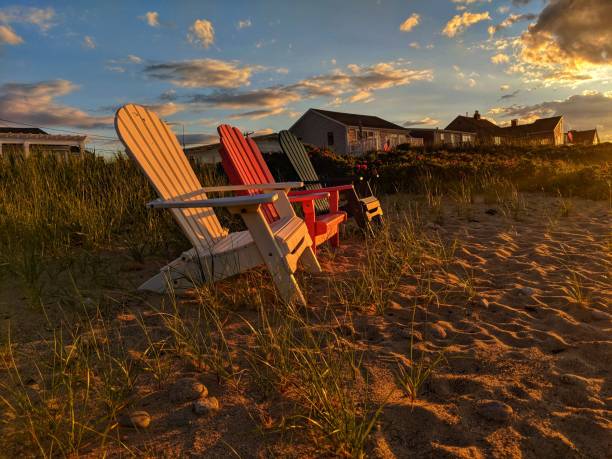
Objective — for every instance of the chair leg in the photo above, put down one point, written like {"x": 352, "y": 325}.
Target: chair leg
{"x": 335, "y": 239}
{"x": 272, "y": 256}
{"x": 309, "y": 259}
{"x": 288, "y": 287}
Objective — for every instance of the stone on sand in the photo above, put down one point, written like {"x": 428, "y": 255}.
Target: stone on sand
{"x": 494, "y": 410}
{"x": 206, "y": 406}
{"x": 135, "y": 419}
{"x": 527, "y": 291}
{"x": 437, "y": 331}
{"x": 187, "y": 389}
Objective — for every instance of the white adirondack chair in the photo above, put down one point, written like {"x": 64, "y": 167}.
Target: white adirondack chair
{"x": 216, "y": 253}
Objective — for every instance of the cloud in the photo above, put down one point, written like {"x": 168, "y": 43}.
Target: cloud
{"x": 197, "y": 139}
{"x": 504, "y": 87}
{"x": 243, "y": 24}
{"x": 115, "y": 68}
{"x": 471, "y": 82}
{"x": 259, "y": 114}
{"x": 427, "y": 121}
{"x": 273, "y": 97}
{"x": 134, "y": 59}
{"x": 201, "y": 33}
{"x": 571, "y": 41}
{"x": 202, "y": 73}
{"x": 410, "y": 23}
{"x": 500, "y": 58}
{"x": 361, "y": 96}
{"x": 34, "y": 103}
{"x": 166, "y": 108}
{"x": 42, "y": 18}
{"x": 580, "y": 111}
{"x": 88, "y": 42}
{"x": 151, "y": 18}
{"x": 415, "y": 45}
{"x": 510, "y": 95}
{"x": 510, "y": 20}
{"x": 460, "y": 23}
{"x": 356, "y": 84}
{"x": 8, "y": 36}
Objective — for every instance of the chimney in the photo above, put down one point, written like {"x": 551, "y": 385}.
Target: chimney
{"x": 514, "y": 123}
{"x": 476, "y": 115}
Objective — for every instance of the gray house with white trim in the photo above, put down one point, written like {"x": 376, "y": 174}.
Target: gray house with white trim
{"x": 348, "y": 133}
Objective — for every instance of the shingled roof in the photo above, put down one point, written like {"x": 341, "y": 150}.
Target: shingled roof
{"x": 352, "y": 119}
{"x": 538, "y": 126}
{"x": 20, "y": 130}
{"x": 479, "y": 126}
{"x": 487, "y": 128}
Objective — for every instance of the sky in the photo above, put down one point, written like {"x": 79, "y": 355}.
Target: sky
{"x": 259, "y": 65}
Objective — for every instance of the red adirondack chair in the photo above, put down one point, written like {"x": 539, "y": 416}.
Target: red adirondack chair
{"x": 244, "y": 165}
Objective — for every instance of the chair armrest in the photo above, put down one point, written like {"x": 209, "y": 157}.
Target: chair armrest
{"x": 309, "y": 196}
{"x": 330, "y": 181}
{"x": 331, "y": 189}
{"x": 237, "y": 201}
{"x": 254, "y": 186}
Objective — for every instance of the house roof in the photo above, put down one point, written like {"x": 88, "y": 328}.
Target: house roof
{"x": 538, "y": 126}
{"x": 470, "y": 124}
{"x": 584, "y": 136}
{"x": 486, "y": 127}
{"x": 352, "y": 119}
{"x": 20, "y": 130}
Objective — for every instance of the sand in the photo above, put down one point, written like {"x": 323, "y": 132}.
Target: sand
{"x": 523, "y": 322}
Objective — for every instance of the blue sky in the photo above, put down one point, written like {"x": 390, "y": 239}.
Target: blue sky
{"x": 259, "y": 65}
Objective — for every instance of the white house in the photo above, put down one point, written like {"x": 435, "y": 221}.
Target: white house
{"x": 25, "y": 138}
{"x": 348, "y": 133}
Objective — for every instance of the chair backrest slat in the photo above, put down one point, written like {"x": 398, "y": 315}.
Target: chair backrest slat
{"x": 155, "y": 148}
{"x": 244, "y": 164}
{"x": 298, "y": 156}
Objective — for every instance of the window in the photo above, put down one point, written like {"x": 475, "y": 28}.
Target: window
{"x": 352, "y": 135}
{"x": 497, "y": 140}
{"x": 330, "y": 138}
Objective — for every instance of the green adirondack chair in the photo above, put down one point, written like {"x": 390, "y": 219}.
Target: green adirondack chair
{"x": 361, "y": 204}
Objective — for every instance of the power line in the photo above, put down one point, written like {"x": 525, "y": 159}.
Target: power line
{"x": 60, "y": 130}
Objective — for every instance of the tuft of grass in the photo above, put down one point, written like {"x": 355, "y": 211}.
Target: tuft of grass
{"x": 64, "y": 398}
{"x": 411, "y": 376}
{"x": 320, "y": 373}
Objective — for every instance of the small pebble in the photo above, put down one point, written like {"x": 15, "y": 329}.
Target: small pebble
{"x": 206, "y": 406}
{"x": 187, "y": 389}
{"x": 437, "y": 331}
{"x": 135, "y": 419}
{"x": 494, "y": 410}
{"x": 527, "y": 291}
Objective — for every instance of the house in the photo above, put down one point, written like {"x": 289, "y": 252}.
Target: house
{"x": 443, "y": 137}
{"x": 486, "y": 132}
{"x": 544, "y": 131}
{"x": 348, "y": 133}
{"x": 589, "y": 137}
{"x": 25, "y": 138}
{"x": 209, "y": 154}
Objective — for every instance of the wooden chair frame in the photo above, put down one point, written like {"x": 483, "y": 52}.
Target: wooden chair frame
{"x": 216, "y": 253}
